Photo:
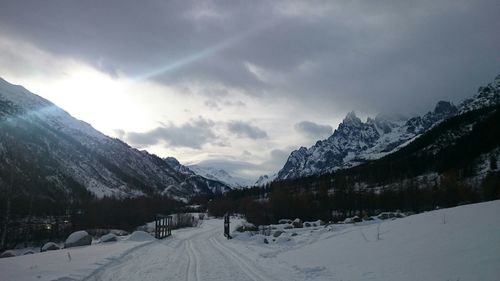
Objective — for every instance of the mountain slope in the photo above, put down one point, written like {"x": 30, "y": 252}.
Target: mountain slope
{"x": 463, "y": 151}
{"x": 45, "y": 152}
{"x": 355, "y": 142}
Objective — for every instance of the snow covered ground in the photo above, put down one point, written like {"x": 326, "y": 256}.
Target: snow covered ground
{"x": 461, "y": 243}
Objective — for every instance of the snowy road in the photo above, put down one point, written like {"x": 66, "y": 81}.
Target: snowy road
{"x": 465, "y": 246}
{"x": 192, "y": 254}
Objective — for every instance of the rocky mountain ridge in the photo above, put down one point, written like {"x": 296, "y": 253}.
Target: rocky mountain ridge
{"x": 354, "y": 141}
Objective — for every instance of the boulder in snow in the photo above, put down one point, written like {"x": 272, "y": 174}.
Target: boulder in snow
{"x": 29, "y": 252}
{"x": 79, "y": 238}
{"x": 352, "y": 220}
{"x": 390, "y": 215}
{"x": 49, "y": 246}
{"x": 140, "y": 236}
{"x": 110, "y": 237}
{"x": 246, "y": 226}
{"x": 7, "y": 254}
{"x": 297, "y": 223}
{"x": 277, "y": 233}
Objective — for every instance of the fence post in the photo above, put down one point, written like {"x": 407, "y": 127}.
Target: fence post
{"x": 226, "y": 227}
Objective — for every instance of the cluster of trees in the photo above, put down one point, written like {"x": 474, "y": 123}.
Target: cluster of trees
{"x": 124, "y": 214}
{"x": 338, "y": 201}
{"x": 31, "y": 219}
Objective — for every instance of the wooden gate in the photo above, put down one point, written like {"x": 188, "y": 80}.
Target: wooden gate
{"x": 163, "y": 226}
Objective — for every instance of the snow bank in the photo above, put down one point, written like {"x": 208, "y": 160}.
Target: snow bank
{"x": 77, "y": 239}
{"x": 8, "y": 254}
{"x": 50, "y": 246}
{"x": 110, "y": 237}
{"x": 464, "y": 246}
{"x": 56, "y": 265}
{"x": 140, "y": 236}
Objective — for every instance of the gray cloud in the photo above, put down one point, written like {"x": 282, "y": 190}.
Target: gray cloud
{"x": 324, "y": 57}
{"x": 277, "y": 158}
{"x": 355, "y": 55}
{"x": 245, "y": 130}
{"x": 212, "y": 105}
{"x": 313, "y": 130}
{"x": 215, "y": 103}
{"x": 193, "y": 134}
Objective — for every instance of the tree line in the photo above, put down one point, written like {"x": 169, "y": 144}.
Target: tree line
{"x": 430, "y": 172}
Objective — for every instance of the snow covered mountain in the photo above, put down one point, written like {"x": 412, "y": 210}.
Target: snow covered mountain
{"x": 355, "y": 141}
{"x": 221, "y": 176}
{"x": 45, "y": 152}
{"x": 214, "y": 184}
{"x": 265, "y": 179}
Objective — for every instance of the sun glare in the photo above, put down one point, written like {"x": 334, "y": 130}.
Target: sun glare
{"x": 94, "y": 97}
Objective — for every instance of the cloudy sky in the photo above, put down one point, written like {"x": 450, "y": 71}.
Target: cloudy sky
{"x": 240, "y": 84}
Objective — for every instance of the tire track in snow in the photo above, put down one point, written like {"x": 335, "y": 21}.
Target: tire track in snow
{"x": 116, "y": 261}
{"x": 188, "y": 266}
{"x": 196, "y": 260}
{"x": 192, "y": 269}
{"x": 252, "y": 272}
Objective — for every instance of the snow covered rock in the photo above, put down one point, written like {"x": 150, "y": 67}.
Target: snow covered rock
{"x": 110, "y": 237}
{"x": 29, "y": 252}
{"x": 140, "y": 236}
{"x": 50, "y": 246}
{"x": 246, "y": 226}
{"x": 367, "y": 218}
{"x": 297, "y": 223}
{"x": 352, "y": 220}
{"x": 277, "y": 233}
{"x": 390, "y": 215}
{"x": 8, "y": 254}
{"x": 78, "y": 238}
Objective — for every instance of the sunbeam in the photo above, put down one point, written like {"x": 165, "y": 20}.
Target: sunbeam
{"x": 193, "y": 58}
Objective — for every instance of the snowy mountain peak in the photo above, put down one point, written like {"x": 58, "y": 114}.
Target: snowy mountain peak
{"x": 265, "y": 179}
{"x": 355, "y": 142}
{"x": 445, "y": 108}
{"x": 351, "y": 119}
{"x": 221, "y": 176}
{"x": 486, "y": 96}
{"x": 496, "y": 82}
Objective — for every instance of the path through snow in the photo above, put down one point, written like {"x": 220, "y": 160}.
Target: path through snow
{"x": 193, "y": 254}
{"x": 464, "y": 246}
